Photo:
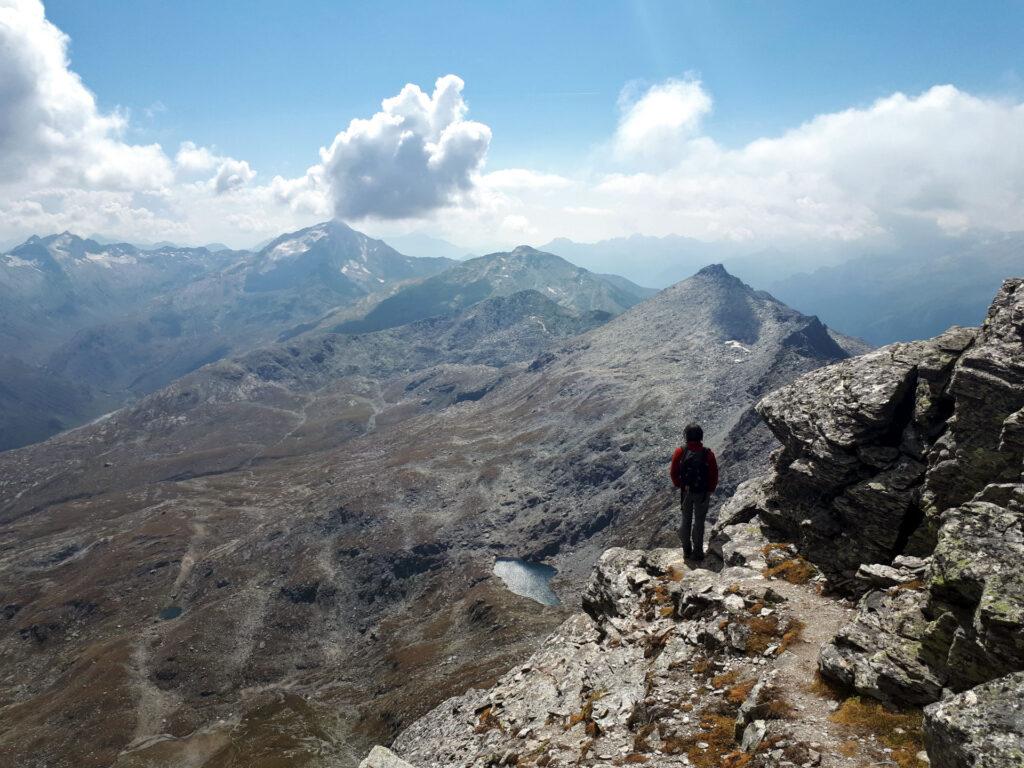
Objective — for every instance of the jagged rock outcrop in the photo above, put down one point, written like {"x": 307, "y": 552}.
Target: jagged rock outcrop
{"x": 847, "y": 482}
{"x": 900, "y": 478}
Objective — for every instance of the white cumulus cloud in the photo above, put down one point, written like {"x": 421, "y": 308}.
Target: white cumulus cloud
{"x": 412, "y": 157}
{"x": 193, "y": 159}
{"x": 654, "y": 123}
{"x": 50, "y": 126}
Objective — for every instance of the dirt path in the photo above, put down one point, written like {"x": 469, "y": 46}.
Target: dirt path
{"x": 839, "y": 745}
{"x": 796, "y": 673}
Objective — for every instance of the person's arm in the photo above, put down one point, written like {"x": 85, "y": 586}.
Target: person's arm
{"x": 673, "y": 470}
{"x": 712, "y": 472}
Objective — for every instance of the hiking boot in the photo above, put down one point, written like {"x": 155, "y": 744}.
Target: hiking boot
{"x": 699, "y": 557}
{"x": 687, "y": 553}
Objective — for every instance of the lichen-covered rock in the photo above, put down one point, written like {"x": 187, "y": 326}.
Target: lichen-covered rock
{"x": 900, "y": 477}
{"x": 740, "y": 545}
{"x": 988, "y": 389}
{"x": 980, "y": 728}
{"x": 848, "y": 480}
{"x": 882, "y": 653}
{"x": 977, "y": 576}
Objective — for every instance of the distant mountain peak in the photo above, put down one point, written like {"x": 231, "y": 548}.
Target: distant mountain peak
{"x": 525, "y": 249}
{"x": 714, "y": 270}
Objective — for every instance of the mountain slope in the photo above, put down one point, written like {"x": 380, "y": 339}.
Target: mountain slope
{"x": 321, "y": 519}
{"x": 500, "y": 274}
{"x": 120, "y": 322}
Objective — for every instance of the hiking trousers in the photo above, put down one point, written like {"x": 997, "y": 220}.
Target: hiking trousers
{"x": 695, "y": 509}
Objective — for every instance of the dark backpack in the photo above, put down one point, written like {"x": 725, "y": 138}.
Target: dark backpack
{"x": 693, "y": 470}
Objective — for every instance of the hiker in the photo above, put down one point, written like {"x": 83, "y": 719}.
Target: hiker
{"x": 694, "y": 471}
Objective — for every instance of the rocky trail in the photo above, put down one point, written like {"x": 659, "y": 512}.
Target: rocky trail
{"x": 672, "y": 666}
{"x": 675, "y": 666}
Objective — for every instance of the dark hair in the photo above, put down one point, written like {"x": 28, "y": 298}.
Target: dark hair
{"x": 694, "y": 432}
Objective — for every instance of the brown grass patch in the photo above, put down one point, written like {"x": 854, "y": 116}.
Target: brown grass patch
{"x": 738, "y": 693}
{"x": 487, "y": 721}
{"x": 796, "y": 570}
{"x": 914, "y": 585}
{"x": 900, "y": 730}
{"x": 660, "y": 595}
{"x": 674, "y": 574}
{"x": 725, "y": 679}
{"x": 640, "y": 743}
{"x": 768, "y": 631}
{"x": 849, "y": 748}
{"x": 586, "y": 715}
{"x": 764, "y": 632}
{"x": 772, "y": 704}
{"x": 737, "y": 759}
{"x": 717, "y": 731}
{"x": 655, "y": 644}
{"x": 794, "y": 631}
{"x": 701, "y": 666}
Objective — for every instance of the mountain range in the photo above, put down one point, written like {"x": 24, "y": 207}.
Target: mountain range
{"x": 86, "y": 327}
{"x": 287, "y": 553}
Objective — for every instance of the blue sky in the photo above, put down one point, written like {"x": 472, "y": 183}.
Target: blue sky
{"x": 273, "y": 81}
{"x": 772, "y": 124}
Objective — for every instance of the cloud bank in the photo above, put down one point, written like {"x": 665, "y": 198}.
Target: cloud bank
{"x": 943, "y": 156}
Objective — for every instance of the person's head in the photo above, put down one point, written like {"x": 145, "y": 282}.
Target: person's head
{"x": 694, "y": 433}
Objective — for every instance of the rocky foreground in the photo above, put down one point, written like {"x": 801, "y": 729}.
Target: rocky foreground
{"x": 868, "y": 610}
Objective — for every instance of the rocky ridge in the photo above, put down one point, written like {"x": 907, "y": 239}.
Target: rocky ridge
{"x": 898, "y": 485}
{"x": 911, "y": 451}
{"x": 910, "y": 458}
{"x": 90, "y": 326}
{"x": 500, "y": 274}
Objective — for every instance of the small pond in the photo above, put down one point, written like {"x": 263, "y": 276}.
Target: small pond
{"x": 530, "y": 580}
{"x": 170, "y": 612}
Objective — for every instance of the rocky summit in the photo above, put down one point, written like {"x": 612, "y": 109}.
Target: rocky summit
{"x": 865, "y": 608}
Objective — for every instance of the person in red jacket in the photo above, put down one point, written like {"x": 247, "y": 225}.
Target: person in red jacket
{"x": 694, "y": 471}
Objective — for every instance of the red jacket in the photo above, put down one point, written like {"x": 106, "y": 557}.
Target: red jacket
{"x": 677, "y": 456}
